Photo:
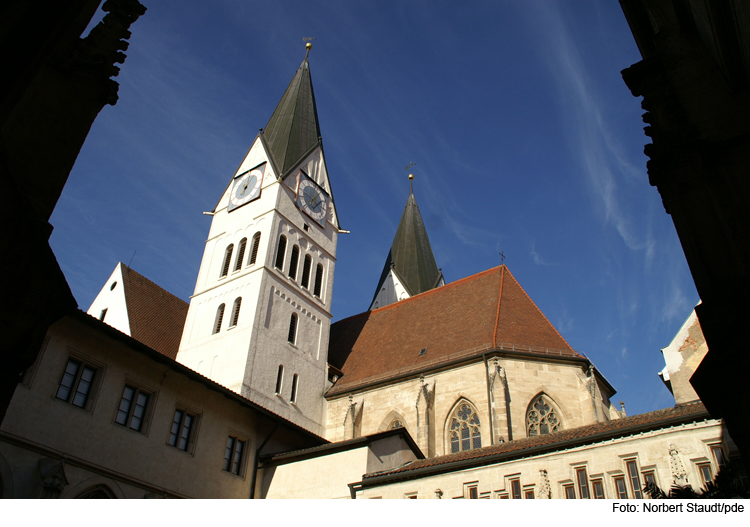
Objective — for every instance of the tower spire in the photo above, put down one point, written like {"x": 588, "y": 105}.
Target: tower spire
{"x": 410, "y": 268}
{"x": 293, "y": 127}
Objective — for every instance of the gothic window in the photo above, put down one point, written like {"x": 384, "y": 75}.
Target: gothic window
{"x": 219, "y": 318}
{"x": 396, "y": 423}
{"x": 280, "y": 253}
{"x": 292, "y": 337}
{"x": 240, "y": 254}
{"x": 76, "y": 383}
{"x": 464, "y": 431}
{"x": 295, "y": 382}
{"x": 279, "y": 379}
{"x": 318, "y": 280}
{"x": 254, "y": 252}
{"x": 541, "y": 419}
{"x": 293, "y": 262}
{"x": 132, "y": 410}
{"x": 306, "y": 271}
{"x": 235, "y": 312}
{"x": 227, "y": 260}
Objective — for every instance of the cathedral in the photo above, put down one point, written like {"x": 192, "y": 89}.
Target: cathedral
{"x": 439, "y": 390}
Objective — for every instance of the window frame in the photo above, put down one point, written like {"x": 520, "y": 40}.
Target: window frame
{"x": 253, "y": 258}
{"x": 280, "y": 253}
{"x": 219, "y": 318}
{"x": 704, "y": 467}
{"x": 582, "y": 483}
{"x": 633, "y": 475}
{"x": 130, "y": 412}
{"x": 227, "y": 261}
{"x": 234, "y": 319}
{"x": 293, "y": 263}
{"x": 93, "y": 385}
{"x": 569, "y": 490}
{"x": 232, "y": 463}
{"x": 597, "y": 487}
{"x": 293, "y": 329}
{"x": 279, "y": 380}
{"x": 306, "y": 269}
{"x": 515, "y": 488}
{"x": 621, "y": 488}
{"x": 192, "y": 427}
{"x": 318, "y": 285}
{"x": 240, "y": 254}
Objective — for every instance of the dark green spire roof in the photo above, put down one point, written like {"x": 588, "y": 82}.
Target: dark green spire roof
{"x": 411, "y": 255}
{"x": 293, "y": 128}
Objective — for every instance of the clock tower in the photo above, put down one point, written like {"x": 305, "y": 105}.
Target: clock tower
{"x": 259, "y": 320}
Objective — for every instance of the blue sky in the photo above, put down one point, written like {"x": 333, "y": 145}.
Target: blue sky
{"x": 525, "y": 139}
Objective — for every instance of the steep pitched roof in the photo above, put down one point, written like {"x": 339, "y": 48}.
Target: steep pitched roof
{"x": 156, "y": 316}
{"x": 547, "y": 443}
{"x": 411, "y": 254}
{"x": 293, "y": 128}
{"x": 482, "y": 312}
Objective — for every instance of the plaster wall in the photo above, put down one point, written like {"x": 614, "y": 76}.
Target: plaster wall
{"x": 391, "y": 291}
{"x": 113, "y": 300}
{"x": 38, "y": 425}
{"x": 603, "y": 461}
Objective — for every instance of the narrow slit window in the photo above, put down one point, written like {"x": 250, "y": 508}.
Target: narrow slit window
{"x": 236, "y": 312}
{"x": 279, "y": 379}
{"x": 515, "y": 489}
{"x": 583, "y": 483}
{"x": 306, "y": 271}
{"x": 254, "y": 252}
{"x": 219, "y": 318}
{"x": 635, "y": 480}
{"x": 293, "y": 261}
{"x": 227, "y": 260}
{"x": 318, "y": 280}
{"x": 280, "y": 253}
{"x": 240, "y": 254}
{"x": 292, "y": 337}
{"x": 295, "y": 381}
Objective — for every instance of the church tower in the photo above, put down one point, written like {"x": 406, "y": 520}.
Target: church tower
{"x": 259, "y": 320}
{"x": 410, "y": 267}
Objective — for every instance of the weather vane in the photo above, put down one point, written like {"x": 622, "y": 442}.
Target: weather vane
{"x": 409, "y": 166}
{"x": 307, "y": 39}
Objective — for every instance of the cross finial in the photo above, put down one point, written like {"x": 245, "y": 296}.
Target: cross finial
{"x": 502, "y": 257}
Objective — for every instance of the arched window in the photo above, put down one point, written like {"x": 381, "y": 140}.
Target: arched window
{"x": 306, "y": 271}
{"x": 254, "y": 252}
{"x": 235, "y": 312}
{"x": 464, "y": 430}
{"x": 396, "y": 423}
{"x": 279, "y": 379}
{"x": 219, "y": 318}
{"x": 295, "y": 381}
{"x": 280, "y": 253}
{"x": 227, "y": 260}
{"x": 240, "y": 254}
{"x": 98, "y": 492}
{"x": 292, "y": 329}
{"x": 318, "y": 280}
{"x": 541, "y": 418}
{"x": 293, "y": 262}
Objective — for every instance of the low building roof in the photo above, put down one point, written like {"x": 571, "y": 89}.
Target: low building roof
{"x": 545, "y": 443}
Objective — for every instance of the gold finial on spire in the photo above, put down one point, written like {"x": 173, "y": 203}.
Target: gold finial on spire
{"x": 411, "y": 176}
{"x": 308, "y": 46}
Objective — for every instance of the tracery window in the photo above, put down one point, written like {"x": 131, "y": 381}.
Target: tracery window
{"x": 464, "y": 428}
{"x": 541, "y": 419}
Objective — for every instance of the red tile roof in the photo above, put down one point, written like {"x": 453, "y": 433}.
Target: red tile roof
{"x": 486, "y": 311}
{"x": 156, "y": 316}
{"x": 558, "y": 440}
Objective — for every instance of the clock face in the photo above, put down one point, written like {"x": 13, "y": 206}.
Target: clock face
{"x": 312, "y": 199}
{"x": 246, "y": 187}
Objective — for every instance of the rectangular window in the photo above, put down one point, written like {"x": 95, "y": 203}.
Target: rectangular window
{"x": 75, "y": 385}
{"x": 515, "y": 489}
{"x": 180, "y": 436}
{"x": 528, "y": 494}
{"x": 649, "y": 478}
{"x": 718, "y": 454}
{"x": 233, "y": 455}
{"x": 132, "y": 410}
{"x": 570, "y": 492}
{"x": 583, "y": 483}
{"x": 635, "y": 480}
{"x": 473, "y": 493}
{"x": 598, "y": 487}
{"x": 705, "y": 470}
{"x": 622, "y": 491}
